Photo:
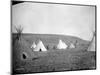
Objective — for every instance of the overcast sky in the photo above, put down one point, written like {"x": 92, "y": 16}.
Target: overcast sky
{"x": 42, "y": 18}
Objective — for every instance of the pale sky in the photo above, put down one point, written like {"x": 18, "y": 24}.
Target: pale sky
{"x": 43, "y": 18}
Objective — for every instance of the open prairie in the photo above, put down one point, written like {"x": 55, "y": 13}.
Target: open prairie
{"x": 53, "y": 59}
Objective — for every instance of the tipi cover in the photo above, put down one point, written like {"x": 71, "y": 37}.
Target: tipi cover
{"x": 61, "y": 45}
{"x": 40, "y": 47}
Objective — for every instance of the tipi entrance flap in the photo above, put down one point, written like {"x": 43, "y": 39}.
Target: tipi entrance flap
{"x": 24, "y": 55}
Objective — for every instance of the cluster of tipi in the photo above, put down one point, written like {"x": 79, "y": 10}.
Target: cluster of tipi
{"x": 40, "y": 46}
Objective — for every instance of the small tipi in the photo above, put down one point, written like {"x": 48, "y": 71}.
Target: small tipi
{"x": 61, "y": 45}
{"x": 72, "y": 45}
{"x": 33, "y": 45}
{"x": 40, "y": 46}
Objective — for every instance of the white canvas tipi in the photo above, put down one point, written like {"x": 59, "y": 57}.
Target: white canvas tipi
{"x": 40, "y": 47}
{"x": 72, "y": 45}
{"x": 61, "y": 45}
{"x": 33, "y": 45}
{"x": 92, "y": 43}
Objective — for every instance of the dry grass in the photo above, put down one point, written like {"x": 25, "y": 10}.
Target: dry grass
{"x": 53, "y": 59}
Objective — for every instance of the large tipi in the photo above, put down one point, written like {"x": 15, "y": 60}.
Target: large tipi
{"x": 61, "y": 45}
{"x": 40, "y": 46}
{"x": 21, "y": 50}
{"x": 33, "y": 45}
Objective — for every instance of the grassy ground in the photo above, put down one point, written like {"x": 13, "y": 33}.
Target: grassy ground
{"x": 52, "y": 60}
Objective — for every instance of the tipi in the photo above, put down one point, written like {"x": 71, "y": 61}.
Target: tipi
{"x": 92, "y": 45}
{"x": 40, "y": 47}
{"x": 21, "y": 50}
{"x": 72, "y": 45}
{"x": 33, "y": 45}
{"x": 61, "y": 45}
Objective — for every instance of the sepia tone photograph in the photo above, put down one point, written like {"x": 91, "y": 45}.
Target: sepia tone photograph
{"x": 52, "y": 37}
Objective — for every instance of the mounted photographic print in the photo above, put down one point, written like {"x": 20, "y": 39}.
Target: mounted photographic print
{"x": 52, "y": 37}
